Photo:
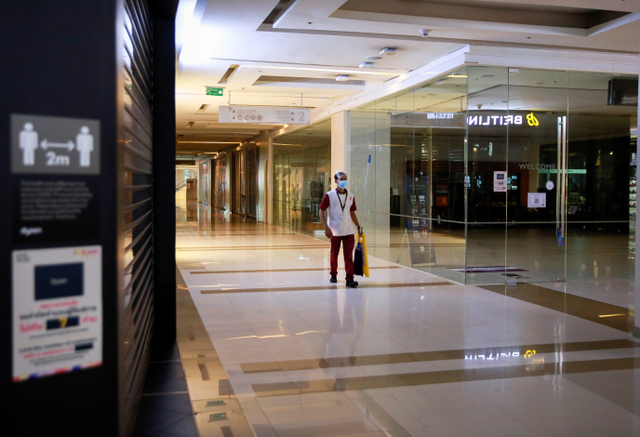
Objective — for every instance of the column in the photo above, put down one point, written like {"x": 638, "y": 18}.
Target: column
{"x": 636, "y": 325}
{"x": 369, "y": 134}
{"x": 269, "y": 196}
{"x": 339, "y": 144}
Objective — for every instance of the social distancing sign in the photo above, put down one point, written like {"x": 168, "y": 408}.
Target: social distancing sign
{"x": 54, "y": 145}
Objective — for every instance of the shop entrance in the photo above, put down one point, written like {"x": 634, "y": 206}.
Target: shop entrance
{"x": 239, "y": 187}
{"x": 244, "y": 175}
{"x": 551, "y": 185}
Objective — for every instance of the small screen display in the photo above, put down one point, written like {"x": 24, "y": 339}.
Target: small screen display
{"x": 59, "y": 280}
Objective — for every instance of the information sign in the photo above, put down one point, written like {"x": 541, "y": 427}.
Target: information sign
{"x": 54, "y": 145}
{"x": 214, "y": 91}
{"x": 55, "y": 165}
{"x": 537, "y": 200}
{"x": 263, "y": 115}
{"x": 500, "y": 182}
{"x": 57, "y": 310}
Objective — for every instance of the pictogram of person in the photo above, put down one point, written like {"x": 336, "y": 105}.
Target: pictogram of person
{"x": 84, "y": 144}
{"x": 28, "y": 144}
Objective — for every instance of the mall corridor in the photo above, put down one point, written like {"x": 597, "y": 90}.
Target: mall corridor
{"x": 169, "y": 169}
{"x": 267, "y": 340}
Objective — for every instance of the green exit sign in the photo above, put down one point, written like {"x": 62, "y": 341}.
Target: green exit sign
{"x": 214, "y": 91}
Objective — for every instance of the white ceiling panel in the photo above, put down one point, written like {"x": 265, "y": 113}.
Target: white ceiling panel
{"x": 302, "y": 46}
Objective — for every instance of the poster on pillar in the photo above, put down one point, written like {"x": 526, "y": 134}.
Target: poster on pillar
{"x": 57, "y": 310}
{"x": 55, "y": 172}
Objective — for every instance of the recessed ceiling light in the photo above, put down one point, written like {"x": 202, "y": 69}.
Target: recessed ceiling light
{"x": 366, "y": 65}
{"x": 374, "y": 58}
{"x": 388, "y": 51}
{"x": 342, "y": 77}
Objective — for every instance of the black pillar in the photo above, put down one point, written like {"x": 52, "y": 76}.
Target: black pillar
{"x": 164, "y": 130}
{"x": 59, "y": 60}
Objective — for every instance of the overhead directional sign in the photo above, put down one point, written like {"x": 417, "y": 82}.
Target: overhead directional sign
{"x": 263, "y": 115}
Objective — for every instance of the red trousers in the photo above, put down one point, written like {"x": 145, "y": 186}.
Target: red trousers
{"x": 348, "y": 241}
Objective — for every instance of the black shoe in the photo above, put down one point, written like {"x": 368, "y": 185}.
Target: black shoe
{"x": 333, "y": 280}
{"x": 352, "y": 284}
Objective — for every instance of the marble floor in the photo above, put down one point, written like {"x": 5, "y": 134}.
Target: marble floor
{"x": 588, "y": 256}
{"x": 271, "y": 348}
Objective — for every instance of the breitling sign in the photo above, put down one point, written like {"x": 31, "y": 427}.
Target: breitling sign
{"x": 503, "y": 120}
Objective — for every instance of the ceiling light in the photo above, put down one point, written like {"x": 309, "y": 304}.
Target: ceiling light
{"x": 342, "y": 78}
{"x": 366, "y": 65}
{"x": 424, "y": 32}
{"x": 330, "y": 70}
{"x": 388, "y": 51}
{"x": 374, "y": 58}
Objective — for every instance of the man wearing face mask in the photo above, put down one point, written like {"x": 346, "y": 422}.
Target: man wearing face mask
{"x": 338, "y": 216}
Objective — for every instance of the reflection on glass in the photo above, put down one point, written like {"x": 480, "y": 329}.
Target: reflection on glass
{"x": 488, "y": 175}
{"x": 301, "y": 167}
{"x": 415, "y": 211}
{"x": 601, "y": 183}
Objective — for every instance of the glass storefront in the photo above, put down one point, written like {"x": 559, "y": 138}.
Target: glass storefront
{"x": 415, "y": 200}
{"x": 220, "y": 188}
{"x": 486, "y": 176}
{"x": 301, "y": 169}
{"x": 494, "y": 175}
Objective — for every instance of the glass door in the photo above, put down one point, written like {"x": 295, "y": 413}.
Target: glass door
{"x": 536, "y": 188}
{"x": 600, "y": 187}
{"x": 487, "y": 180}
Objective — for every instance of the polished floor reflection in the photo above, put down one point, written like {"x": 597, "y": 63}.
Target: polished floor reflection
{"x": 269, "y": 342}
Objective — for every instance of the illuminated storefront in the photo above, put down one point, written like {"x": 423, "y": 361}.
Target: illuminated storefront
{"x": 495, "y": 175}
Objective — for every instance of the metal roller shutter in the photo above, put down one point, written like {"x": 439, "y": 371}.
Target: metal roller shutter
{"x": 136, "y": 216}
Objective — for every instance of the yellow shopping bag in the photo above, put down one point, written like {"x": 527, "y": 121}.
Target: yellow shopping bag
{"x": 360, "y": 260}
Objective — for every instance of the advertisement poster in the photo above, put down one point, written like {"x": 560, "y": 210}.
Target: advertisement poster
{"x": 57, "y": 310}
{"x": 418, "y": 206}
{"x": 500, "y": 181}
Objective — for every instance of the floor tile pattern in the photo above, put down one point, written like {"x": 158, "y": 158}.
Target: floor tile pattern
{"x": 405, "y": 354}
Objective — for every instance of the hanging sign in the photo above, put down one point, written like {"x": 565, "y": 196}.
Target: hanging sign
{"x": 214, "y": 91}
{"x": 263, "y": 115}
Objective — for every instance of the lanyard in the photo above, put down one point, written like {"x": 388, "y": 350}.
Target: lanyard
{"x": 346, "y": 194}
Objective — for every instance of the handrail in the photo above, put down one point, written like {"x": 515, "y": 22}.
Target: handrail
{"x": 181, "y": 185}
